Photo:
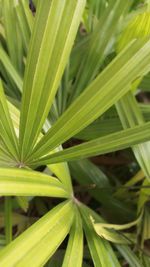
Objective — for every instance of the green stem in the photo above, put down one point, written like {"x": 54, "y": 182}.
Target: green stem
{"x": 8, "y": 219}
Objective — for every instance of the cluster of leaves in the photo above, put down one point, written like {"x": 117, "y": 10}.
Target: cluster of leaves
{"x": 72, "y": 71}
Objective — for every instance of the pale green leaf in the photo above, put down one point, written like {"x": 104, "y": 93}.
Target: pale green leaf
{"x": 145, "y": 84}
{"x": 109, "y": 123}
{"x": 19, "y": 182}
{"x": 11, "y": 71}
{"x": 130, "y": 116}
{"x": 100, "y": 95}
{"x": 53, "y": 35}
{"x": 106, "y": 230}
{"x": 127, "y": 107}
{"x": 98, "y": 44}
{"x": 138, "y": 27}
{"x": 7, "y": 133}
{"x": 38, "y": 243}
{"x": 101, "y": 252}
{"x": 14, "y": 44}
{"x": 129, "y": 256}
{"x": 99, "y": 226}
{"x": 74, "y": 253}
{"x": 61, "y": 170}
{"x": 99, "y": 146}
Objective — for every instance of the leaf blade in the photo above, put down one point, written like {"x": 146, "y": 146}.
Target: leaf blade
{"x": 55, "y": 29}
{"x": 74, "y": 252}
{"x": 19, "y": 182}
{"x": 102, "y": 145}
{"x": 23, "y": 250}
{"x": 106, "y": 89}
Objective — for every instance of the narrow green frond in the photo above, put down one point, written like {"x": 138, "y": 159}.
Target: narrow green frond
{"x": 7, "y": 132}
{"x": 37, "y": 244}
{"x": 101, "y": 252}
{"x": 111, "y": 231}
{"x": 129, "y": 256}
{"x": 98, "y": 44}
{"x": 11, "y": 71}
{"x": 130, "y": 116}
{"x": 101, "y": 94}
{"x": 61, "y": 170}
{"x": 99, "y": 146}
{"x": 74, "y": 252}
{"x": 53, "y": 35}
{"x": 19, "y": 182}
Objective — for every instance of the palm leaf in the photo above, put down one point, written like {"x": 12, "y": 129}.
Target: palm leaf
{"x": 131, "y": 116}
{"x": 101, "y": 252}
{"x": 99, "y": 146}
{"x": 61, "y": 170}
{"x": 127, "y": 107}
{"x": 11, "y": 71}
{"x": 100, "y": 95}
{"x": 44, "y": 236}
{"x": 74, "y": 252}
{"x": 129, "y": 256}
{"x": 98, "y": 45}
{"x": 7, "y": 134}
{"x": 15, "y": 182}
{"x": 52, "y": 39}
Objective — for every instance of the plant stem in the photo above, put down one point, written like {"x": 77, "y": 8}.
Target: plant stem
{"x": 8, "y": 219}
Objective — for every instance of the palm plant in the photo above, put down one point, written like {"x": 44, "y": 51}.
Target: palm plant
{"x": 72, "y": 70}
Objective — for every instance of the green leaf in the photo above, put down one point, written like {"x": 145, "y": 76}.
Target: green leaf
{"x": 127, "y": 107}
{"x": 145, "y": 84}
{"x": 85, "y": 168}
{"x": 23, "y": 27}
{"x": 100, "y": 95}
{"x": 109, "y": 123}
{"x": 11, "y": 71}
{"x": 129, "y": 255}
{"x": 146, "y": 260}
{"x": 98, "y": 43}
{"x": 101, "y": 252}
{"x": 99, "y": 146}
{"x": 19, "y": 182}
{"x": 7, "y": 133}
{"x": 131, "y": 116}
{"x": 25, "y": 22}
{"x": 61, "y": 170}
{"x": 11, "y": 30}
{"x": 43, "y": 237}
{"x": 106, "y": 230}
{"x": 138, "y": 27}
{"x": 5, "y": 158}
{"x": 15, "y": 116}
{"x": 53, "y": 35}
{"x": 74, "y": 253}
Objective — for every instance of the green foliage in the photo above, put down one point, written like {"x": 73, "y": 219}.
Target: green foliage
{"x": 68, "y": 71}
